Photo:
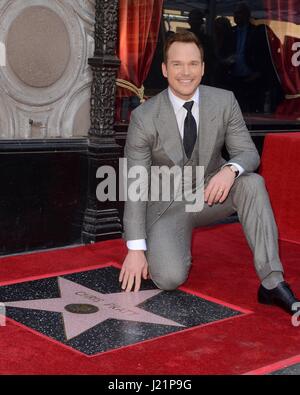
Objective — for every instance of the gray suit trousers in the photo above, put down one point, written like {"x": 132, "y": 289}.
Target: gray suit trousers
{"x": 169, "y": 238}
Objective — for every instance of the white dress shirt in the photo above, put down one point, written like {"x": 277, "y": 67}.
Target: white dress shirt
{"x": 180, "y": 113}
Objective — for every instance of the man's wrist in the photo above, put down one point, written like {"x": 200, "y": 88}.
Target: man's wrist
{"x": 139, "y": 244}
{"x": 238, "y": 167}
{"x": 234, "y": 170}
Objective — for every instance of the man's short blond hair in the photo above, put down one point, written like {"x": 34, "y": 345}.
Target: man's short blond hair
{"x": 182, "y": 37}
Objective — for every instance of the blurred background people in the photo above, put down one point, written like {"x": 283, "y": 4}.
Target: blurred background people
{"x": 197, "y": 26}
{"x": 252, "y": 72}
{"x": 224, "y": 46}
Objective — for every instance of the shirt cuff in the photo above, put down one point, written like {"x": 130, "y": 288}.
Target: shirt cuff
{"x": 139, "y": 244}
{"x": 239, "y": 168}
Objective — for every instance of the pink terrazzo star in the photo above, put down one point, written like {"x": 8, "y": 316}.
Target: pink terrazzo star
{"x": 83, "y": 308}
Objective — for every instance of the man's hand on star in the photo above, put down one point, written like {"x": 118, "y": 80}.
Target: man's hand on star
{"x": 219, "y": 186}
{"x": 135, "y": 266}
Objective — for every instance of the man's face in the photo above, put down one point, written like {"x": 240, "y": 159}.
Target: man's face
{"x": 184, "y": 69}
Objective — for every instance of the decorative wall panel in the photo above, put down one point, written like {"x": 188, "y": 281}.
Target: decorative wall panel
{"x": 46, "y": 83}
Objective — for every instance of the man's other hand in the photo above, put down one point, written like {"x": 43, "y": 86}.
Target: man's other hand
{"x": 219, "y": 186}
{"x": 135, "y": 266}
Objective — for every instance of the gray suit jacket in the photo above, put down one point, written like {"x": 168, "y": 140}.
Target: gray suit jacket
{"x": 153, "y": 139}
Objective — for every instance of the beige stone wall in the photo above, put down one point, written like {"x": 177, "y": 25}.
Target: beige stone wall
{"x": 45, "y": 79}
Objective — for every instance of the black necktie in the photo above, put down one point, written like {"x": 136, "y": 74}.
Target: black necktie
{"x": 190, "y": 130}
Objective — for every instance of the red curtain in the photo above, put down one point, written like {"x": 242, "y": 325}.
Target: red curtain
{"x": 286, "y": 55}
{"x": 139, "y": 22}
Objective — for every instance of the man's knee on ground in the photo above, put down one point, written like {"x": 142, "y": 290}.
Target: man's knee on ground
{"x": 169, "y": 281}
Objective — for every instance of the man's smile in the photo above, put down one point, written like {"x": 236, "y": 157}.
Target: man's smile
{"x": 185, "y": 81}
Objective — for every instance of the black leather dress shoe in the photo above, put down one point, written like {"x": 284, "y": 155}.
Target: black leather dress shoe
{"x": 281, "y": 296}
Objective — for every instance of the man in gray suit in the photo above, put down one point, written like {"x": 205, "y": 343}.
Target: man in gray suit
{"x": 188, "y": 125}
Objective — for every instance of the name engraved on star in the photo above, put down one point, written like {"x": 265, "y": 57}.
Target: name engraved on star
{"x": 90, "y": 297}
{"x": 120, "y": 309}
{"x": 112, "y": 306}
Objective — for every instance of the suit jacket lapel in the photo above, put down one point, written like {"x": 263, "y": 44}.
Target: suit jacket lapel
{"x": 207, "y": 126}
{"x": 168, "y": 131}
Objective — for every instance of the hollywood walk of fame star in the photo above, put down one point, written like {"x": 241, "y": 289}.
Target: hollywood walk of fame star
{"x": 82, "y": 308}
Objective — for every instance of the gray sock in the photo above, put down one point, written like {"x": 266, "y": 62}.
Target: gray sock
{"x": 272, "y": 280}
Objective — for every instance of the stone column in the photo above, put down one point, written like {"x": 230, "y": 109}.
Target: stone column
{"x": 102, "y": 219}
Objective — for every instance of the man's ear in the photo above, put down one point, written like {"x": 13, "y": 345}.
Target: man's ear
{"x": 203, "y": 68}
{"x": 164, "y": 70}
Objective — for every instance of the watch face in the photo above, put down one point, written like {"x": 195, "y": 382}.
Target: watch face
{"x": 235, "y": 170}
